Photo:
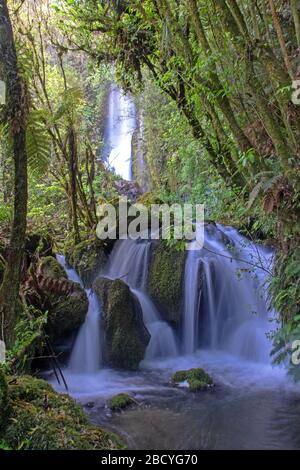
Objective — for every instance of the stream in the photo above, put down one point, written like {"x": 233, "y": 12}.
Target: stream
{"x": 226, "y": 322}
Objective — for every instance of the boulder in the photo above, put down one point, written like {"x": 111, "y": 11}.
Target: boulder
{"x": 166, "y": 273}
{"x": 88, "y": 258}
{"x": 121, "y": 401}
{"x": 41, "y": 419}
{"x": 65, "y": 300}
{"x": 197, "y": 379}
{"x": 126, "y": 337}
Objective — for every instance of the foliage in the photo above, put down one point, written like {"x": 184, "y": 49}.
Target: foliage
{"x": 29, "y": 337}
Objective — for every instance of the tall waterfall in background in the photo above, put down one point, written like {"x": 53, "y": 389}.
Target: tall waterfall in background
{"x": 119, "y": 128}
{"x": 225, "y": 304}
{"x": 130, "y": 261}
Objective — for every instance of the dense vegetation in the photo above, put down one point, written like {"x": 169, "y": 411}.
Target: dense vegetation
{"x": 226, "y": 132}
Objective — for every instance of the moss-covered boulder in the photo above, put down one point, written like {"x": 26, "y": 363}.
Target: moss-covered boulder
{"x": 197, "y": 379}
{"x": 126, "y": 337}
{"x": 166, "y": 274}
{"x": 88, "y": 258}
{"x": 41, "y": 419}
{"x": 65, "y": 301}
{"x": 50, "y": 267}
{"x": 121, "y": 401}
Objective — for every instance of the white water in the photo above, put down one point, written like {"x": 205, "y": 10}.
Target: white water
{"x": 129, "y": 261}
{"x": 120, "y": 125}
{"x": 225, "y": 301}
{"x": 86, "y": 356}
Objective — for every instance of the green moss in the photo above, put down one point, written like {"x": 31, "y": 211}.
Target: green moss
{"x": 179, "y": 376}
{"x": 165, "y": 281}
{"x": 197, "y": 379}
{"x": 66, "y": 313}
{"x": 42, "y": 419}
{"x": 126, "y": 337}
{"x": 87, "y": 258}
{"x": 50, "y": 267}
{"x": 120, "y": 402}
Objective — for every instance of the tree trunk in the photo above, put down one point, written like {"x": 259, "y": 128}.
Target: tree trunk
{"x": 16, "y": 115}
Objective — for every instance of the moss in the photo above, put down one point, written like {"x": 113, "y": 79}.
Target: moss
{"x": 179, "y": 376}
{"x": 50, "y": 267}
{"x": 126, "y": 337}
{"x": 197, "y": 379}
{"x": 121, "y": 401}
{"x": 165, "y": 281}
{"x": 66, "y": 313}
{"x": 42, "y": 419}
{"x": 88, "y": 258}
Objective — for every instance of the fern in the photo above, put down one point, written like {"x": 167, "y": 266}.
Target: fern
{"x": 70, "y": 100}
{"x": 38, "y": 142}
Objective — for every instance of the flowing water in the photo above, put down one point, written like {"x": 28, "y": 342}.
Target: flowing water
{"x": 119, "y": 128}
{"x": 86, "y": 354}
{"x": 130, "y": 261}
{"x": 225, "y": 329}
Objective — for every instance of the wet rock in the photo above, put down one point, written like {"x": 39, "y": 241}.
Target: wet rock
{"x": 88, "y": 258}
{"x": 126, "y": 337}
{"x": 64, "y": 300}
{"x": 165, "y": 284}
{"x": 197, "y": 379}
{"x": 121, "y": 401}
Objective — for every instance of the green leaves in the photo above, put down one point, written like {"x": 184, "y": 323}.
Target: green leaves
{"x": 38, "y": 142}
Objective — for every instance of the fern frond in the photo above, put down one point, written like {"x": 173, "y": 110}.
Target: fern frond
{"x": 69, "y": 101}
{"x": 38, "y": 143}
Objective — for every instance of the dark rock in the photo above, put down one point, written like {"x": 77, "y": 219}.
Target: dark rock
{"x": 126, "y": 336}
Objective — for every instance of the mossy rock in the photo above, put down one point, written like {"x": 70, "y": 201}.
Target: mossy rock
{"x": 50, "y": 267}
{"x": 121, "y": 401}
{"x": 166, "y": 274}
{"x": 41, "y": 419}
{"x": 126, "y": 337}
{"x": 88, "y": 258}
{"x": 66, "y": 312}
{"x": 197, "y": 379}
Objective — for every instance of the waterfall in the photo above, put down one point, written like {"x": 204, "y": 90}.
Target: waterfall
{"x": 119, "y": 128}
{"x": 130, "y": 261}
{"x": 86, "y": 354}
{"x": 225, "y": 302}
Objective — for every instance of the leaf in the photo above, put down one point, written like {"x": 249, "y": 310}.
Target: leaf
{"x": 38, "y": 142}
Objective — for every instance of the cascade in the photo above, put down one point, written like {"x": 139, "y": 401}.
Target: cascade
{"x": 225, "y": 304}
{"x": 130, "y": 261}
{"x": 86, "y": 353}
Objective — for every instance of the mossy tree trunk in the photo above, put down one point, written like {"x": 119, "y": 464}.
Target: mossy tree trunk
{"x": 16, "y": 116}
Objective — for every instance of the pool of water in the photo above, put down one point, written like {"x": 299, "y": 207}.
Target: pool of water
{"x": 252, "y": 406}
